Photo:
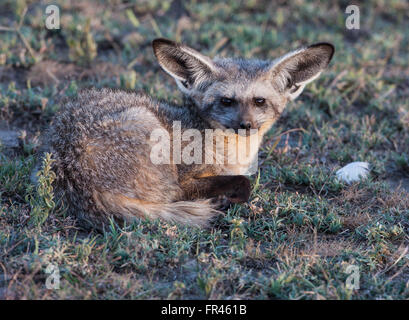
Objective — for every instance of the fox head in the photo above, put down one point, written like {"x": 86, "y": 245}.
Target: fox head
{"x": 234, "y": 93}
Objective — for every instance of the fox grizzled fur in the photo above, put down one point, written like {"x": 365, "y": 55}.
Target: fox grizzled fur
{"x": 101, "y": 146}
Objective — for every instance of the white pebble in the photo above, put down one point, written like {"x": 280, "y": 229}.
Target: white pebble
{"x": 353, "y": 172}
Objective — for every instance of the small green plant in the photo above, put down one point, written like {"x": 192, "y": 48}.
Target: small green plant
{"x": 72, "y": 90}
{"x": 128, "y": 80}
{"x": 402, "y": 162}
{"x": 83, "y": 48}
{"x": 42, "y": 202}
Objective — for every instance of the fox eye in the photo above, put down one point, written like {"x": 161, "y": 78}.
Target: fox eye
{"x": 259, "y": 101}
{"x": 227, "y": 102}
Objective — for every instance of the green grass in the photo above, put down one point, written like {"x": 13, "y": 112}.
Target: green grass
{"x": 301, "y": 228}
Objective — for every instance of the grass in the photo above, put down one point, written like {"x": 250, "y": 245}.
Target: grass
{"x": 301, "y": 228}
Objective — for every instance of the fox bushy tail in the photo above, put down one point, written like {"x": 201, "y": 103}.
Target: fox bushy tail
{"x": 194, "y": 213}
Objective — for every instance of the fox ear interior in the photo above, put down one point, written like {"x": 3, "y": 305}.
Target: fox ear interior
{"x": 187, "y": 66}
{"x": 298, "y": 68}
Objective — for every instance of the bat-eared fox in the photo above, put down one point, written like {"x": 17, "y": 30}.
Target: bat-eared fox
{"x": 102, "y": 142}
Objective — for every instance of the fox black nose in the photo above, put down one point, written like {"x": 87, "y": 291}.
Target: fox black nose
{"x": 245, "y": 125}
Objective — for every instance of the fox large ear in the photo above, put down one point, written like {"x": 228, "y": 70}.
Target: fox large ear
{"x": 294, "y": 70}
{"x": 187, "y": 66}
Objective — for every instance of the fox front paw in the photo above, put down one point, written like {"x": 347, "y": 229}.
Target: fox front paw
{"x": 221, "y": 203}
{"x": 240, "y": 189}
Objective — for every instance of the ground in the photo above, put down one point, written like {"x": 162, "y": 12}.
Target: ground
{"x": 301, "y": 229}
